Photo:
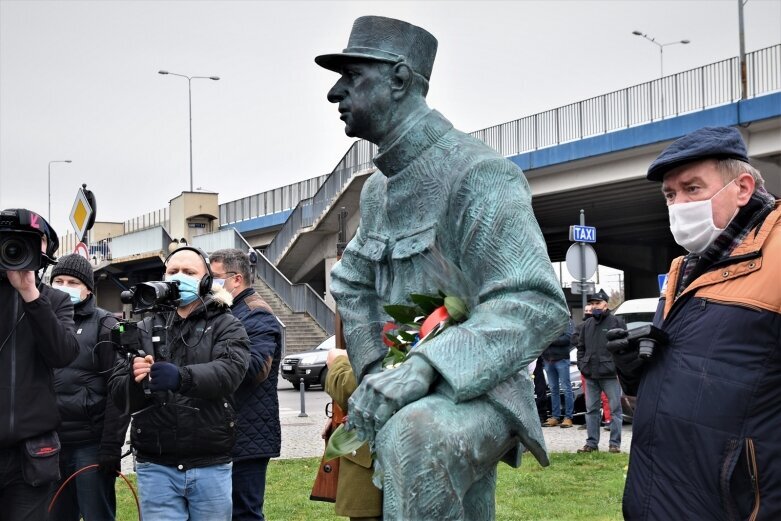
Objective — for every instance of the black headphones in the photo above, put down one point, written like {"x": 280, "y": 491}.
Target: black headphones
{"x": 206, "y": 282}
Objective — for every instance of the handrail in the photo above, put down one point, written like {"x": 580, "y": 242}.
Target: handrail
{"x": 357, "y": 159}
{"x": 696, "y": 89}
{"x": 298, "y": 297}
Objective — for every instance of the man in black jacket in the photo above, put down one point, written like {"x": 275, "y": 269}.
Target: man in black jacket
{"x": 258, "y": 433}
{"x": 184, "y": 433}
{"x": 596, "y": 365}
{"x": 92, "y": 429}
{"x": 36, "y": 335}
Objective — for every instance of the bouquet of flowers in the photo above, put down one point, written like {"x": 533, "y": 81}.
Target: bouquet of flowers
{"x": 411, "y": 326}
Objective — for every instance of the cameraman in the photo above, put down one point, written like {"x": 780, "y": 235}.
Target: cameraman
{"x": 196, "y": 357}
{"x": 36, "y": 335}
{"x": 706, "y": 428}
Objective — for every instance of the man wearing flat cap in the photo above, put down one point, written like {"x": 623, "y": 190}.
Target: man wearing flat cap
{"x": 442, "y": 210}
{"x": 596, "y": 365}
{"x": 706, "y": 442}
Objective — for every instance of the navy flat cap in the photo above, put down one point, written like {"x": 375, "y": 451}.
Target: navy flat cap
{"x": 705, "y": 143}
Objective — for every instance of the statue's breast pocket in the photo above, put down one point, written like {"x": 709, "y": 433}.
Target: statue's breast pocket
{"x": 414, "y": 262}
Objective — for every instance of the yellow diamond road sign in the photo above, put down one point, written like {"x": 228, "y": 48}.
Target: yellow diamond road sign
{"x": 80, "y": 214}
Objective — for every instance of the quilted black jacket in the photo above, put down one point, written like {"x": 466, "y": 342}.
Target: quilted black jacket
{"x": 258, "y": 433}
{"x": 194, "y": 426}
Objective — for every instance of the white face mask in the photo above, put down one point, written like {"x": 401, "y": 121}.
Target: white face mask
{"x": 692, "y": 224}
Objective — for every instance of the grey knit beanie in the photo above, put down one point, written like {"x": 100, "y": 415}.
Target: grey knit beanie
{"x": 75, "y": 266}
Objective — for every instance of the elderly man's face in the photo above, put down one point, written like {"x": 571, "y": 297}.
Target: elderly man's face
{"x": 701, "y": 181}
{"x": 364, "y": 97}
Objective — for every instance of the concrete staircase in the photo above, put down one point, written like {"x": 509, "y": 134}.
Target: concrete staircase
{"x": 302, "y": 332}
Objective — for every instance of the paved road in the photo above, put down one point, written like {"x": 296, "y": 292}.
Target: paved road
{"x": 301, "y": 434}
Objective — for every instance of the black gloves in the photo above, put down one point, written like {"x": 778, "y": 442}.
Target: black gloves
{"x": 164, "y": 376}
{"x": 109, "y": 464}
{"x": 625, "y": 350}
{"x": 617, "y": 341}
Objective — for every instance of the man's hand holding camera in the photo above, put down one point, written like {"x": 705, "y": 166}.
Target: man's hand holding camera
{"x": 631, "y": 348}
{"x": 163, "y": 376}
{"x": 24, "y": 283}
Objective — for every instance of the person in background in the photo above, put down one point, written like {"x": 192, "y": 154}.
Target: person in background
{"x": 596, "y": 364}
{"x": 557, "y": 363}
{"x": 605, "y": 404}
{"x": 36, "y": 336}
{"x": 252, "y": 257}
{"x": 356, "y": 495}
{"x": 258, "y": 433}
{"x": 92, "y": 429}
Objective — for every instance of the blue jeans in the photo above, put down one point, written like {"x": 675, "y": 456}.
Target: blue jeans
{"x": 249, "y": 488}
{"x": 91, "y": 494}
{"x": 558, "y": 378}
{"x": 594, "y": 389}
{"x": 199, "y": 494}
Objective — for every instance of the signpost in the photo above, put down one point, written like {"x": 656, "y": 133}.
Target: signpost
{"x": 581, "y": 258}
{"x": 662, "y": 278}
{"x": 81, "y": 249}
{"x": 82, "y": 215}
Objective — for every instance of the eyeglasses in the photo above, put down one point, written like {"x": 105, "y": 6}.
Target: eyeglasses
{"x": 223, "y": 275}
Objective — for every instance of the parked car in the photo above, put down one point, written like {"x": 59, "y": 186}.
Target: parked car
{"x": 637, "y": 312}
{"x": 309, "y": 365}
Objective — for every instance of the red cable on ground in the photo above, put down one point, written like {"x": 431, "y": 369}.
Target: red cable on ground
{"x": 89, "y": 467}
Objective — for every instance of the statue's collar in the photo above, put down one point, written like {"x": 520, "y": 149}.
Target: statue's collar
{"x": 410, "y": 145}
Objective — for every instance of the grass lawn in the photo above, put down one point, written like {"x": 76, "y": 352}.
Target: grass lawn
{"x": 574, "y": 487}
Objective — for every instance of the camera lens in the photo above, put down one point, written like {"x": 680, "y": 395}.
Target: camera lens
{"x": 13, "y": 252}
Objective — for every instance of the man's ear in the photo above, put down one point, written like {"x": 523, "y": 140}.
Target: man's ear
{"x": 401, "y": 80}
{"x": 746, "y": 185}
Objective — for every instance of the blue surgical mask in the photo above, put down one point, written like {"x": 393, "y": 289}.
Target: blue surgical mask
{"x": 73, "y": 293}
{"x": 597, "y": 313}
{"x": 188, "y": 287}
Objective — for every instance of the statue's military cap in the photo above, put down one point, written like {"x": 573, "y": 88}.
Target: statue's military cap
{"x": 388, "y": 40}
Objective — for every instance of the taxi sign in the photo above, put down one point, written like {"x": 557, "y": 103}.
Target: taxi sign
{"x": 80, "y": 214}
{"x": 583, "y": 233}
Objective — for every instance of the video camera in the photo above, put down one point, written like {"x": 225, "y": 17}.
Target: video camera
{"x": 646, "y": 338}
{"x": 20, "y": 241}
{"x": 150, "y": 296}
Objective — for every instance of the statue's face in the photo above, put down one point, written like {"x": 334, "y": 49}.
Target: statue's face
{"x": 364, "y": 97}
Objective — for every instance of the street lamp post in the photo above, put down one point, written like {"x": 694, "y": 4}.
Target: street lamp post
{"x": 49, "y": 215}
{"x": 661, "y": 48}
{"x": 190, "y": 102}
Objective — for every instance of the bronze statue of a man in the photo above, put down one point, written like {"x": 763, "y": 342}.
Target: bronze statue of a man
{"x": 462, "y": 401}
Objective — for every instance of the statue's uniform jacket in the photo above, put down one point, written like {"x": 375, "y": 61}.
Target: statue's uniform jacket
{"x": 442, "y": 193}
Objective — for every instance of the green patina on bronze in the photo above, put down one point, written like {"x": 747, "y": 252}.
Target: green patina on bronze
{"x": 444, "y": 212}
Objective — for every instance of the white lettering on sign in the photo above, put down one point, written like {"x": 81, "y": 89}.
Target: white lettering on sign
{"x": 584, "y": 234}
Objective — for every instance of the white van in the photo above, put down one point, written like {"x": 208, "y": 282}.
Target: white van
{"x": 637, "y": 312}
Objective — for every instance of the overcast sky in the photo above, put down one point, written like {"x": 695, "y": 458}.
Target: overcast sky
{"x": 78, "y": 80}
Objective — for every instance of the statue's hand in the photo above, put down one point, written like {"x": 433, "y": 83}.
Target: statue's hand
{"x": 380, "y": 395}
